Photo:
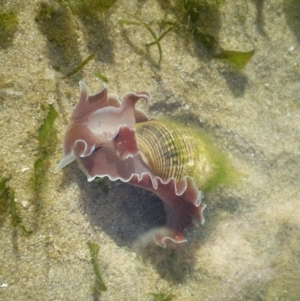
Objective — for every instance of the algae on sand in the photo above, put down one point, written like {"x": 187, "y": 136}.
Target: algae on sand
{"x": 99, "y": 285}
{"x": 8, "y": 27}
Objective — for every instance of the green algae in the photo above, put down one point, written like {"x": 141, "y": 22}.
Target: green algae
{"x": 46, "y": 146}
{"x": 40, "y": 166}
{"x": 193, "y": 20}
{"x": 58, "y": 26}
{"x": 151, "y": 31}
{"x": 236, "y": 58}
{"x": 80, "y": 66}
{"x": 223, "y": 172}
{"x": 47, "y": 143}
{"x": 8, "y": 27}
{"x": 47, "y": 124}
{"x": 5, "y": 196}
{"x": 8, "y": 206}
{"x": 161, "y": 297}
{"x": 102, "y": 183}
{"x": 99, "y": 285}
{"x": 102, "y": 77}
{"x": 16, "y": 219}
{"x": 87, "y": 7}
{"x": 183, "y": 10}
{"x": 46, "y": 139}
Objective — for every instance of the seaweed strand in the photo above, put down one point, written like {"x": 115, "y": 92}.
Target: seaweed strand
{"x": 80, "y": 66}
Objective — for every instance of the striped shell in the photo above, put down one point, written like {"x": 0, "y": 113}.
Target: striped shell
{"x": 172, "y": 151}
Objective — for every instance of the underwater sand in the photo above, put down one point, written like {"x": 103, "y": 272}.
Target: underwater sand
{"x": 249, "y": 246}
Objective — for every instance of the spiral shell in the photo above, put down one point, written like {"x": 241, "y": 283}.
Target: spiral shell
{"x": 172, "y": 151}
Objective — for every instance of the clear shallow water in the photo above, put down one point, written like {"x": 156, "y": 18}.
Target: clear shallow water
{"x": 248, "y": 248}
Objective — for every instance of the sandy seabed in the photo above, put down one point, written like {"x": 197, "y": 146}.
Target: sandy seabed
{"x": 248, "y": 248}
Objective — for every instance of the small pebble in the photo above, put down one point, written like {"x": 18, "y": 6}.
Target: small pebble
{"x": 25, "y": 204}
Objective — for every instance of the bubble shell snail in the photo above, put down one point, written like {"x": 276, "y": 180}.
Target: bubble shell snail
{"x": 109, "y": 137}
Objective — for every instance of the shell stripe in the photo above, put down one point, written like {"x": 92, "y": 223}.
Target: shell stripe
{"x": 167, "y": 152}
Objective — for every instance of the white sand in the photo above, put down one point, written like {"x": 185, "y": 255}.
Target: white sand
{"x": 248, "y": 248}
